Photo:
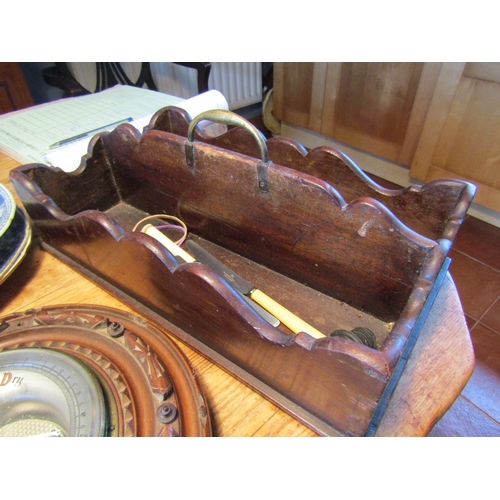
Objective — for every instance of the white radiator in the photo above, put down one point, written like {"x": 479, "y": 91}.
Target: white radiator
{"x": 239, "y": 82}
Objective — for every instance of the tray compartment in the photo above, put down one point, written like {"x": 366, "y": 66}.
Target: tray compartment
{"x": 332, "y": 262}
{"x": 435, "y": 209}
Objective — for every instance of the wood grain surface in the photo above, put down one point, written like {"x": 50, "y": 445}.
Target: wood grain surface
{"x": 441, "y": 363}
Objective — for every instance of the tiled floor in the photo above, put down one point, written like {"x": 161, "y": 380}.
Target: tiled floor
{"x": 475, "y": 269}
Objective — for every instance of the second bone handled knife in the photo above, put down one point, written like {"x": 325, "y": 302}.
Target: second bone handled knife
{"x": 288, "y": 318}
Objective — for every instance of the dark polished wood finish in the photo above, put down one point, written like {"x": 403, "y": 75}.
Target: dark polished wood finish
{"x": 437, "y": 371}
{"x": 434, "y": 210}
{"x": 14, "y": 91}
{"x": 299, "y": 240}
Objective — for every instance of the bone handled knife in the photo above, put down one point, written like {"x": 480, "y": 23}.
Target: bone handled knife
{"x": 178, "y": 252}
{"x": 288, "y": 318}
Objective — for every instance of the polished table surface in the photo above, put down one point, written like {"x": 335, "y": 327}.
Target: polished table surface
{"x": 438, "y": 369}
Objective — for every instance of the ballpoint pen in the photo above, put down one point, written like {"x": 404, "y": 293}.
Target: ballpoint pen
{"x": 89, "y": 132}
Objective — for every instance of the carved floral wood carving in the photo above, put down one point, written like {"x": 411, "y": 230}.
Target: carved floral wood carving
{"x": 134, "y": 362}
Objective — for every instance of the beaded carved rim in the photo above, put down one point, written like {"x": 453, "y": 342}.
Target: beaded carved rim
{"x": 148, "y": 384}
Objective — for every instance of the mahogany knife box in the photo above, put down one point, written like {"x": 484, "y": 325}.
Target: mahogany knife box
{"x": 310, "y": 229}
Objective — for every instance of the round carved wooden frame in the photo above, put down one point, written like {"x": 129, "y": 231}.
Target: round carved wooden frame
{"x": 148, "y": 384}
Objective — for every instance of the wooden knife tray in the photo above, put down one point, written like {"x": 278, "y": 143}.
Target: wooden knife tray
{"x": 309, "y": 229}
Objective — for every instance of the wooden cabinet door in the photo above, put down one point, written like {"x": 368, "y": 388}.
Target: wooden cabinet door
{"x": 461, "y": 136}
{"x": 14, "y": 91}
{"x": 376, "y": 107}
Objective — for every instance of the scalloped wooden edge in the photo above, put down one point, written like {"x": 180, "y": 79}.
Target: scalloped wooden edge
{"x": 382, "y": 360}
{"x": 178, "y": 119}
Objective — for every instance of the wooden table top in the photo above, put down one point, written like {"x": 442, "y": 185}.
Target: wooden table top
{"x": 438, "y": 369}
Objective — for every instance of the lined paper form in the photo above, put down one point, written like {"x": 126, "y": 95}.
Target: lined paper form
{"x": 68, "y": 157}
{"x": 27, "y": 134}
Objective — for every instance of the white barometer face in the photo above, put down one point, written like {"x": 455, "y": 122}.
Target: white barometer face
{"x": 48, "y": 393}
